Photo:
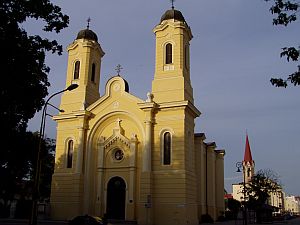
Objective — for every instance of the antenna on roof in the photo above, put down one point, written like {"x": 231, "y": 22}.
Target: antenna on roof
{"x": 172, "y": 2}
{"x": 88, "y": 23}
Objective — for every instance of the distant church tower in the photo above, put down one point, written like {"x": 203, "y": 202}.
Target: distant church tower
{"x": 248, "y": 163}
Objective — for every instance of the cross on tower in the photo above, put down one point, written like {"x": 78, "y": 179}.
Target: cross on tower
{"x": 172, "y": 2}
{"x": 118, "y": 69}
{"x": 119, "y": 122}
{"x": 88, "y": 21}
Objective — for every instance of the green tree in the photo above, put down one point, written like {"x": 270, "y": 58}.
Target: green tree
{"x": 23, "y": 71}
{"x": 285, "y": 12}
{"x": 18, "y": 171}
{"x": 24, "y": 80}
{"x": 258, "y": 190}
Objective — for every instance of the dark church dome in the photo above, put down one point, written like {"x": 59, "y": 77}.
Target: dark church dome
{"x": 87, "y": 34}
{"x": 172, "y": 14}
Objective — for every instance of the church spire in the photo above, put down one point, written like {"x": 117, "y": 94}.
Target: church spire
{"x": 247, "y": 155}
{"x": 248, "y": 163}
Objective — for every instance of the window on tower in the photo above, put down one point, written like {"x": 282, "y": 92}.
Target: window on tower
{"x": 167, "y": 148}
{"x": 76, "y": 70}
{"x": 169, "y": 54}
{"x": 93, "y": 72}
{"x": 70, "y": 154}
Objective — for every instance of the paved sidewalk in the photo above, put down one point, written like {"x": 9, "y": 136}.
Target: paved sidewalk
{"x": 295, "y": 221}
{"x": 25, "y": 222}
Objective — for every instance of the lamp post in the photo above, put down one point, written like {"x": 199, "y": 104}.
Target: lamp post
{"x": 36, "y": 191}
{"x": 239, "y": 165}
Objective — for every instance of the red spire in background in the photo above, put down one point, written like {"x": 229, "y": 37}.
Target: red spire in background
{"x": 247, "y": 156}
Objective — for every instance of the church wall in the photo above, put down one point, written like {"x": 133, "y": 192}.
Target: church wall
{"x": 170, "y": 201}
{"x": 174, "y": 186}
{"x": 66, "y": 194}
{"x": 211, "y": 170}
{"x": 190, "y": 157}
{"x": 66, "y": 191}
{"x": 190, "y": 161}
{"x": 220, "y": 204}
{"x": 169, "y": 120}
{"x": 198, "y": 170}
{"x": 203, "y": 178}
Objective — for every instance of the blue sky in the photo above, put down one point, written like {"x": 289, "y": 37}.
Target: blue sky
{"x": 234, "y": 53}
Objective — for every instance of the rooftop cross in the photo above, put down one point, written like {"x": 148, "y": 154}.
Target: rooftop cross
{"x": 172, "y": 2}
{"x": 119, "y": 122}
{"x": 88, "y": 23}
{"x": 118, "y": 69}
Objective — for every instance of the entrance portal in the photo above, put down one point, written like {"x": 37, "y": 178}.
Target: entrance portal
{"x": 116, "y": 195}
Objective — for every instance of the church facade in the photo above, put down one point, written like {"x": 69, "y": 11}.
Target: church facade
{"x": 133, "y": 159}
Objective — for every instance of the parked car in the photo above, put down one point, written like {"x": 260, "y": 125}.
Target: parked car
{"x": 87, "y": 220}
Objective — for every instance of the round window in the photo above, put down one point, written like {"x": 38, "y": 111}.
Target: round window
{"x": 119, "y": 154}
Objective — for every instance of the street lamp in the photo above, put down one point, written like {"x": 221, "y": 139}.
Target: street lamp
{"x": 239, "y": 165}
{"x": 36, "y": 191}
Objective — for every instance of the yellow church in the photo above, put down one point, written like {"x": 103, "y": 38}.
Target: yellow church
{"x": 135, "y": 159}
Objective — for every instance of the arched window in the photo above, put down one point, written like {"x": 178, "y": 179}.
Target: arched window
{"x": 93, "y": 72}
{"x": 169, "y": 54}
{"x": 70, "y": 154}
{"x": 76, "y": 70}
{"x": 167, "y": 148}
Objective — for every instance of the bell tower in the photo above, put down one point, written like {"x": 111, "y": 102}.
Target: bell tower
{"x": 84, "y": 64}
{"x": 248, "y": 163}
{"x": 172, "y": 66}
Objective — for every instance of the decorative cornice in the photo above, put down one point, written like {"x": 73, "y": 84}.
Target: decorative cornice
{"x": 211, "y": 144}
{"x": 176, "y": 104}
{"x": 200, "y": 135}
{"x": 147, "y": 105}
{"x": 220, "y": 152}
{"x": 86, "y": 43}
{"x": 177, "y": 24}
{"x": 81, "y": 113}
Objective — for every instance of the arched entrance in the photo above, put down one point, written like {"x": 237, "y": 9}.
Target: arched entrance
{"x": 116, "y": 196}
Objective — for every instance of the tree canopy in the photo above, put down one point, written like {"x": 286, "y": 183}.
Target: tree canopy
{"x": 285, "y": 12}
{"x": 261, "y": 185}
{"x": 24, "y": 80}
{"x": 23, "y": 69}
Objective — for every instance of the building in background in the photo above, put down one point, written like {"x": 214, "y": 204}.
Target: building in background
{"x": 292, "y": 205}
{"x": 133, "y": 159}
{"x": 277, "y": 199}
